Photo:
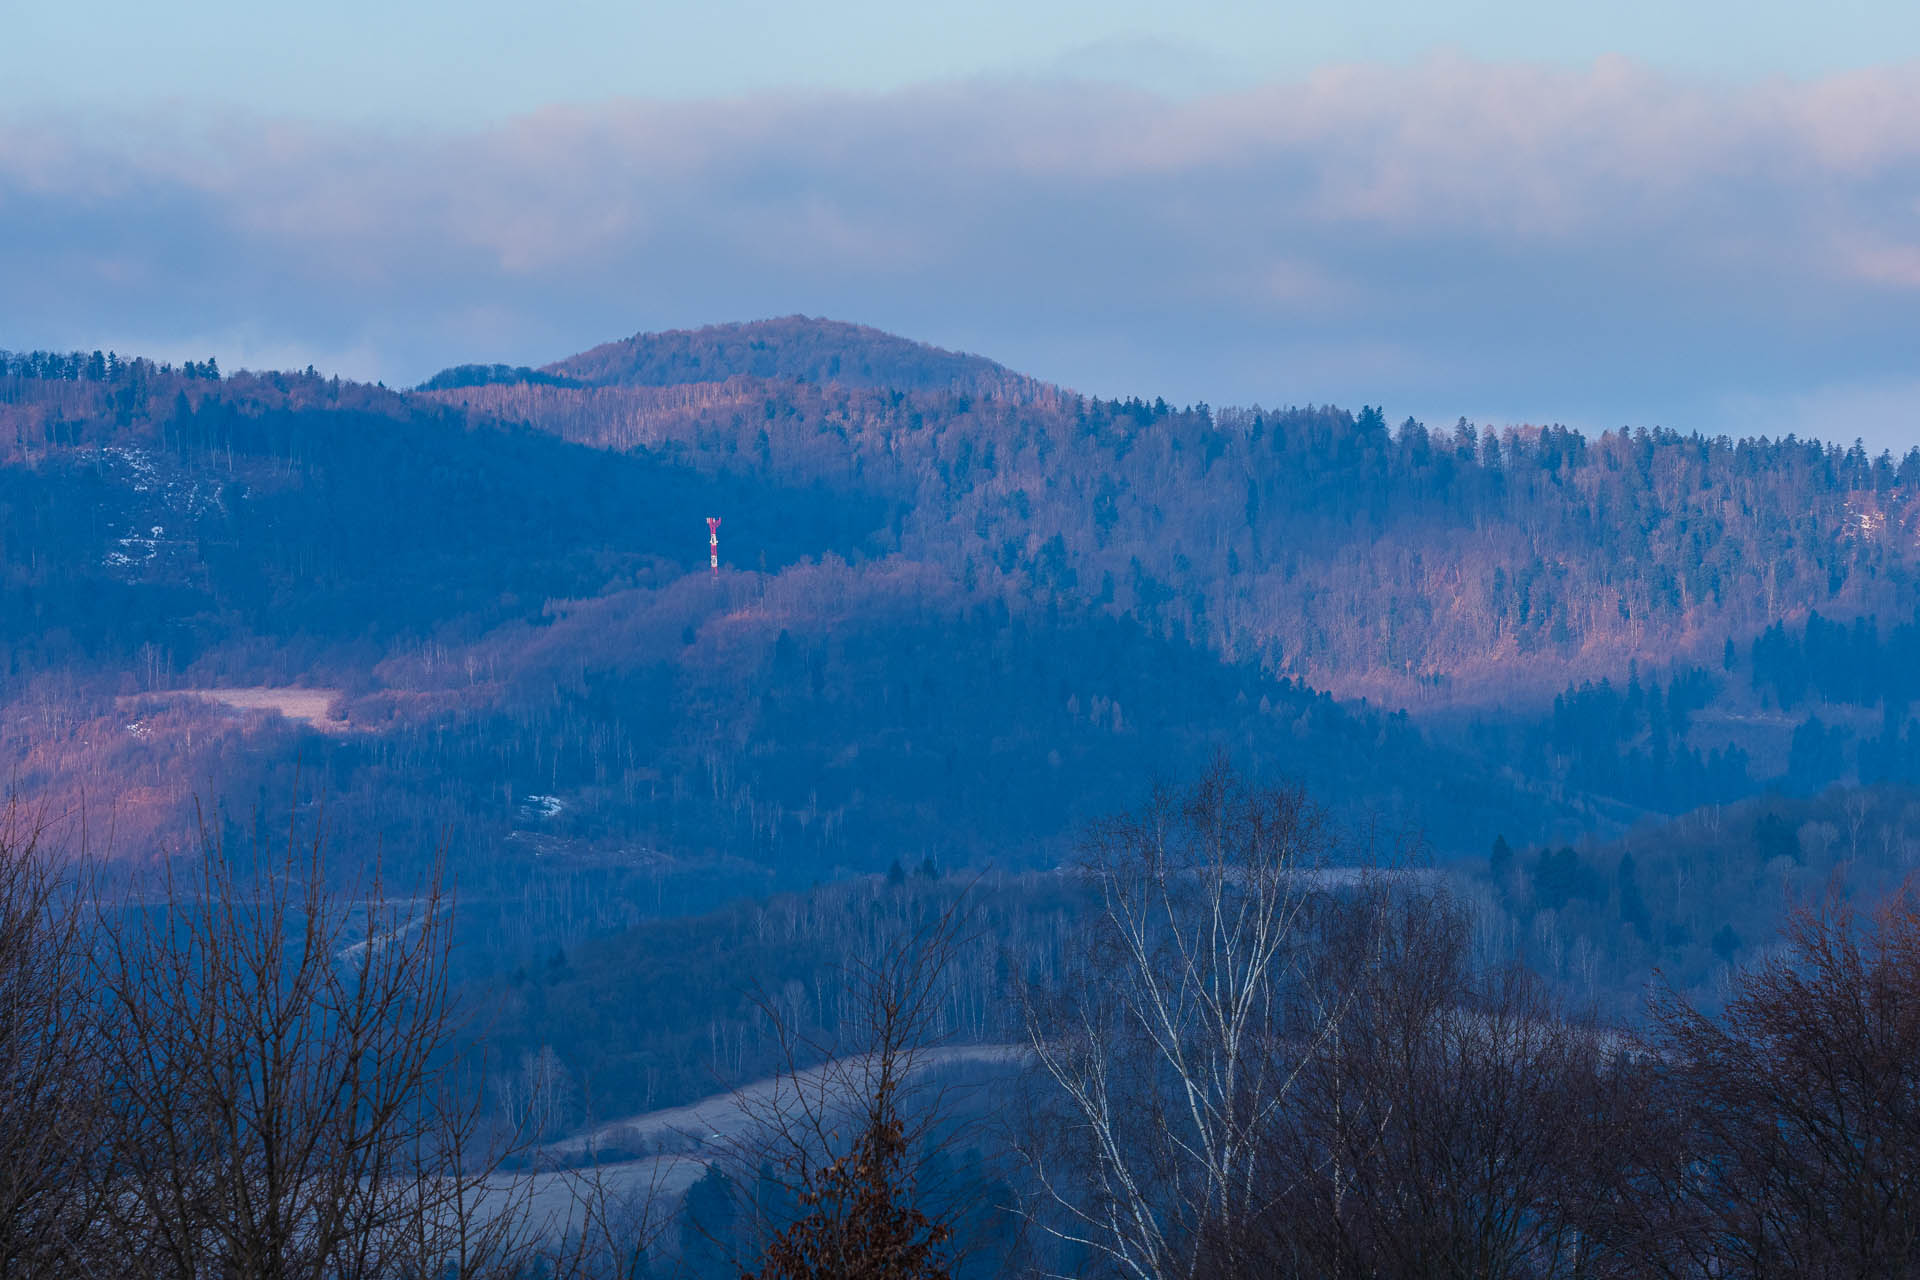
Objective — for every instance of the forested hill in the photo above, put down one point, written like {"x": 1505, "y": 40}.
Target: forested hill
{"x": 797, "y": 348}
{"x": 1419, "y": 566}
{"x": 515, "y": 643}
{"x": 935, "y": 597}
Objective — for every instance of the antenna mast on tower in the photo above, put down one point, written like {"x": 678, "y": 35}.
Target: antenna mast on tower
{"x": 713, "y": 545}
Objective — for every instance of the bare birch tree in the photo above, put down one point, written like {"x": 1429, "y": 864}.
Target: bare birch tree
{"x": 1171, "y": 1048}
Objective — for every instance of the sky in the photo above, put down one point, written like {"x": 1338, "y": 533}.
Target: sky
{"x": 1702, "y": 216}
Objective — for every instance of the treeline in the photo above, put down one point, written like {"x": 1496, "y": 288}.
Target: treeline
{"x": 1841, "y": 662}
{"x": 1853, "y": 685}
{"x": 77, "y": 366}
{"x": 1686, "y": 899}
{"x": 1631, "y": 743}
{"x": 1800, "y": 707}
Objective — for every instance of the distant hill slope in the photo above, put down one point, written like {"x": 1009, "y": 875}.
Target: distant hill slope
{"x": 1415, "y": 567}
{"x": 797, "y": 348}
{"x": 162, "y": 529}
{"x": 509, "y": 614}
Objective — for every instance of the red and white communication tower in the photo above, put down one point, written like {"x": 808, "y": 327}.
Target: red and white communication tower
{"x": 713, "y": 545}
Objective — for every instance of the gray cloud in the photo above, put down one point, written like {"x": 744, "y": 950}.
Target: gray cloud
{"x": 1510, "y": 242}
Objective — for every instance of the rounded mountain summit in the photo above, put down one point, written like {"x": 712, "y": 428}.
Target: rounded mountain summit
{"x": 791, "y": 348}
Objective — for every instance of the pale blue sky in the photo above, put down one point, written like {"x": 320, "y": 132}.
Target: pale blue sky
{"x": 1701, "y": 215}
{"x": 444, "y": 63}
